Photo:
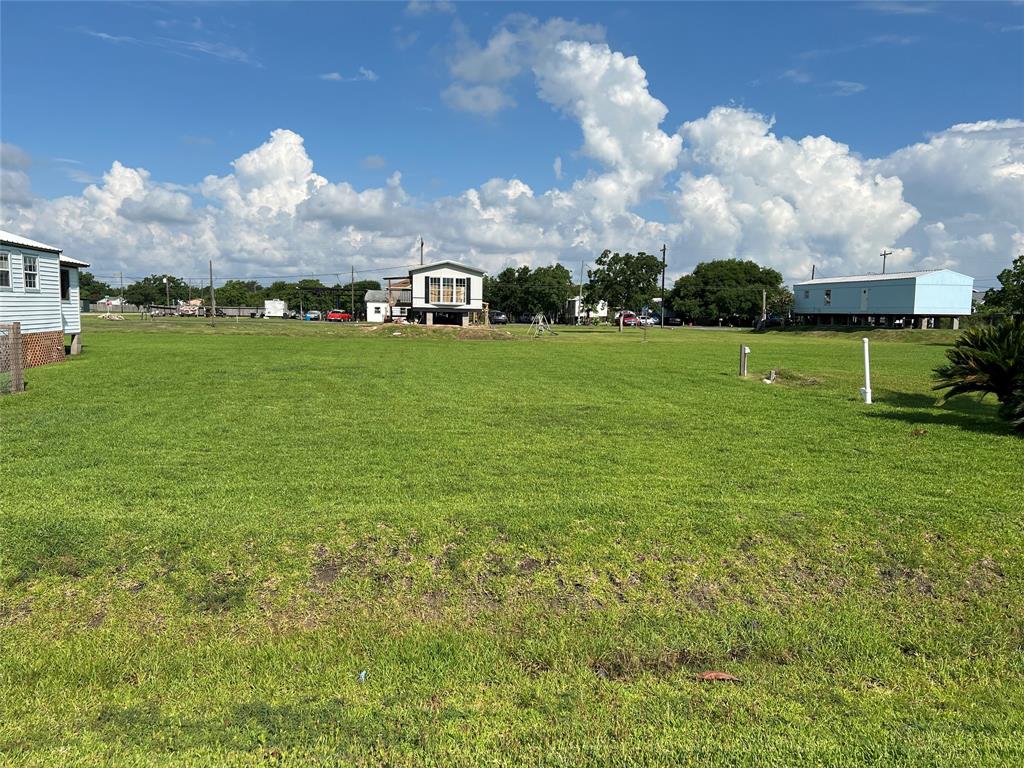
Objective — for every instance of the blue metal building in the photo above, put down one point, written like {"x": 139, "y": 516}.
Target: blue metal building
{"x": 887, "y": 299}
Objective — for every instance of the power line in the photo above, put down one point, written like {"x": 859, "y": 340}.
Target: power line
{"x": 300, "y": 276}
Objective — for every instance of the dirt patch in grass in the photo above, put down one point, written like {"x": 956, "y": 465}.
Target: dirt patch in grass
{"x": 325, "y": 568}
{"x": 471, "y": 332}
{"x": 222, "y": 592}
{"x": 915, "y": 580}
{"x": 985, "y": 576}
{"x": 622, "y": 665}
{"x": 475, "y": 332}
{"x": 529, "y": 565}
{"x": 791, "y": 378}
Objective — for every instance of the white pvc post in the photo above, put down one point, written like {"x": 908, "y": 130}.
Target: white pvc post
{"x": 866, "y": 391}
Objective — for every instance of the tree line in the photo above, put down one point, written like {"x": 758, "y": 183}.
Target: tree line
{"x": 726, "y": 290}
{"x": 307, "y": 294}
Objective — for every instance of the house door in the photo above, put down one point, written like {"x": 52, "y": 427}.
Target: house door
{"x": 863, "y": 299}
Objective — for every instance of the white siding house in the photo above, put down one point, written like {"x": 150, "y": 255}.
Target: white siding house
{"x": 446, "y": 292}
{"x": 577, "y": 312}
{"x": 39, "y": 290}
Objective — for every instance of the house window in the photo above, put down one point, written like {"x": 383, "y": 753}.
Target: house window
{"x": 31, "y": 273}
{"x": 435, "y": 290}
{"x": 5, "y": 270}
{"x": 828, "y": 296}
{"x": 807, "y": 294}
{"x": 460, "y": 290}
{"x": 376, "y": 310}
{"x": 65, "y": 285}
{"x": 447, "y": 289}
{"x": 403, "y": 311}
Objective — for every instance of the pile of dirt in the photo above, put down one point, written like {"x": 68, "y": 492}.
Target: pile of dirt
{"x": 435, "y": 331}
{"x": 480, "y": 332}
{"x": 795, "y": 378}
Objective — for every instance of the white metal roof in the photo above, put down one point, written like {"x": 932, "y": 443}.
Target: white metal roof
{"x": 864, "y": 278}
{"x": 447, "y": 262}
{"x": 9, "y": 238}
{"x": 72, "y": 262}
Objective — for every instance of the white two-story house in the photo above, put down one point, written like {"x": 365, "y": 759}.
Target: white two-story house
{"x": 442, "y": 293}
{"x": 39, "y": 290}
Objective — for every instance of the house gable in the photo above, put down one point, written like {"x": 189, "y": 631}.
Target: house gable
{"x": 447, "y": 286}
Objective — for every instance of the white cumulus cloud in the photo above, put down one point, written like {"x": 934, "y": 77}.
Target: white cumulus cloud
{"x": 728, "y": 185}
{"x": 746, "y": 192}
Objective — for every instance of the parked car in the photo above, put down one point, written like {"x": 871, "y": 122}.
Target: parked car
{"x": 775, "y": 321}
{"x": 673, "y": 321}
{"x": 313, "y": 314}
{"x": 631, "y": 320}
{"x": 339, "y": 316}
{"x": 650, "y": 320}
{"x": 497, "y": 318}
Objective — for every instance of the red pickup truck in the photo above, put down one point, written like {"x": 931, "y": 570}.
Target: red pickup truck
{"x": 339, "y": 316}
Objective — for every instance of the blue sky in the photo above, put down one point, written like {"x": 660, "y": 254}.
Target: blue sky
{"x": 183, "y": 89}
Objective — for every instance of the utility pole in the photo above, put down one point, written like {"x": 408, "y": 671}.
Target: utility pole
{"x": 812, "y": 270}
{"x": 885, "y": 254}
{"x": 213, "y": 299}
{"x": 352, "y": 286}
{"x": 764, "y": 306}
{"x": 579, "y": 305}
{"x": 167, "y": 292}
{"x": 421, "y": 251}
{"x": 121, "y": 277}
{"x": 664, "y": 249}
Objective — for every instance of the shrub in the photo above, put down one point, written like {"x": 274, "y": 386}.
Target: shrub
{"x": 989, "y": 360}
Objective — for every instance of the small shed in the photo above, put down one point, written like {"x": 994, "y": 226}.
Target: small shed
{"x": 39, "y": 290}
{"x": 886, "y": 299}
{"x": 376, "y": 306}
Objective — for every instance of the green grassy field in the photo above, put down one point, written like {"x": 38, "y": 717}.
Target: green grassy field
{"x": 531, "y": 547}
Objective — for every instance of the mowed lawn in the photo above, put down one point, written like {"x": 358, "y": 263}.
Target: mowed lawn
{"x": 531, "y": 547}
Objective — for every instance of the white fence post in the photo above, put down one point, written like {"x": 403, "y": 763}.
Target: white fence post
{"x": 866, "y": 389}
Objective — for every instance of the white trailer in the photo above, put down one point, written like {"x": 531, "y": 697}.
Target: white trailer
{"x": 275, "y": 308}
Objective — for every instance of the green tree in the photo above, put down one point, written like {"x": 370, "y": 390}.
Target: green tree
{"x": 1009, "y": 297}
{"x": 625, "y": 281}
{"x": 507, "y": 291}
{"x": 91, "y": 289}
{"x": 730, "y": 290}
{"x": 240, "y": 293}
{"x": 988, "y": 359}
{"x": 547, "y": 290}
{"x": 151, "y": 290}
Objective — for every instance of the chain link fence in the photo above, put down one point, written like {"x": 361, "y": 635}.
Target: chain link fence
{"x": 12, "y": 364}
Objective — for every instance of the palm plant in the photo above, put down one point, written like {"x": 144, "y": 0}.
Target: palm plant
{"x": 989, "y": 360}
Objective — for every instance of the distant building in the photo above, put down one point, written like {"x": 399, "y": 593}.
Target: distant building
{"x": 896, "y": 298}
{"x": 39, "y": 290}
{"x": 377, "y": 307}
{"x": 442, "y": 293}
{"x": 111, "y": 303}
{"x": 577, "y": 312}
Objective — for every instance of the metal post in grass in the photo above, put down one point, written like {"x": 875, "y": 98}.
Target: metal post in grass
{"x": 866, "y": 389}
{"x": 744, "y": 351}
